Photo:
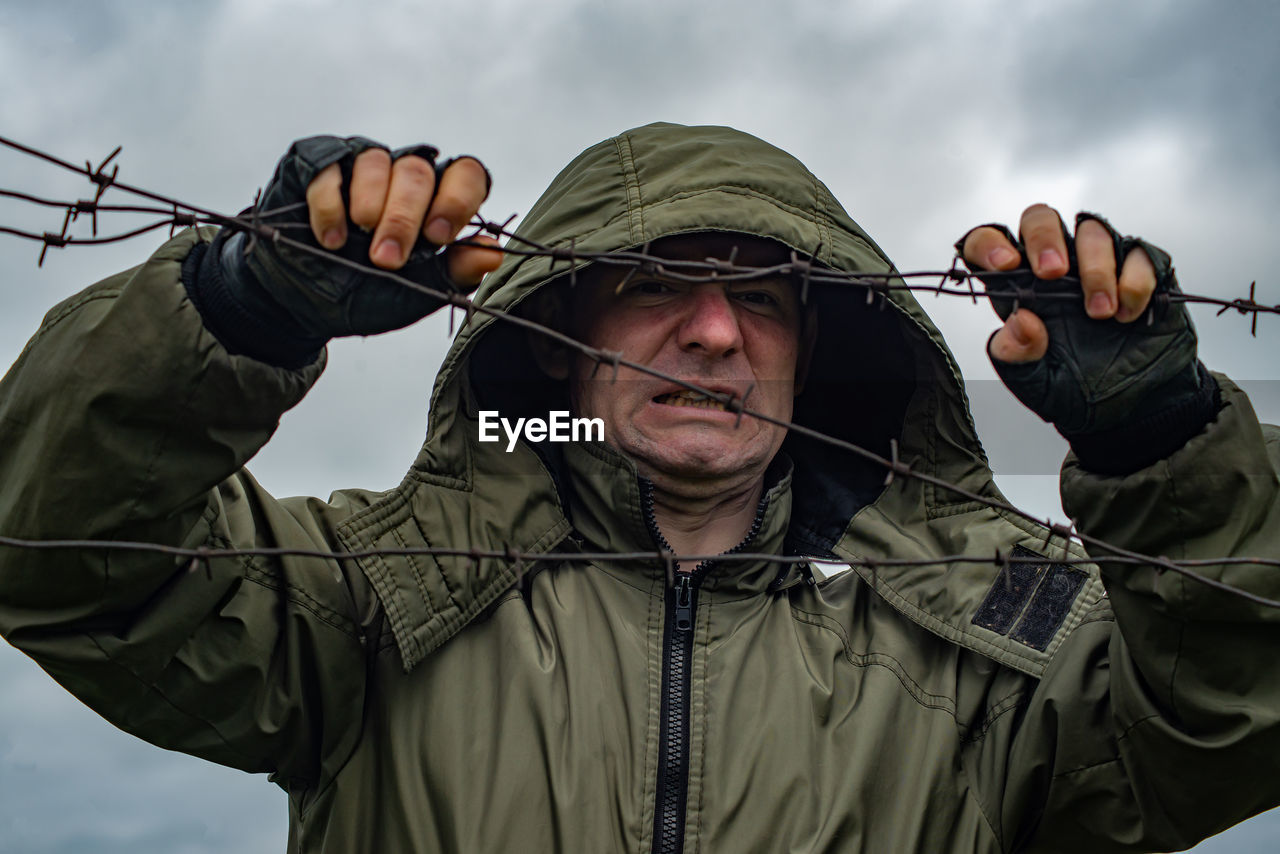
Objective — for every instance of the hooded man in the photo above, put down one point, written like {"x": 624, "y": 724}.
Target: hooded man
{"x": 414, "y": 697}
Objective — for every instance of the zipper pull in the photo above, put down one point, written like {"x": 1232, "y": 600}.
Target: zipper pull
{"x": 684, "y": 604}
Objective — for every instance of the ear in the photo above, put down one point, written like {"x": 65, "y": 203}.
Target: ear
{"x": 552, "y": 357}
{"x": 808, "y": 341}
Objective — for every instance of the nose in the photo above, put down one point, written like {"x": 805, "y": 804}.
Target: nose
{"x": 710, "y": 325}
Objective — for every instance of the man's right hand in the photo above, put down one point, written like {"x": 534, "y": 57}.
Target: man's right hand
{"x": 367, "y": 206}
{"x": 399, "y": 202}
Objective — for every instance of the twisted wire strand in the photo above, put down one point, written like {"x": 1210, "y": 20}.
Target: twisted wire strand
{"x": 177, "y": 213}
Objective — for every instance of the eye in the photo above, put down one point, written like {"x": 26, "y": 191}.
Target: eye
{"x": 761, "y": 298}
{"x": 651, "y": 286}
{"x": 772, "y": 296}
{"x": 648, "y": 287}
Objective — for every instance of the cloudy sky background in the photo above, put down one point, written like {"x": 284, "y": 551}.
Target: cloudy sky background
{"x": 923, "y": 118}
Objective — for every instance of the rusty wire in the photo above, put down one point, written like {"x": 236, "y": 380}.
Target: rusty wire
{"x": 509, "y": 554}
{"x": 177, "y": 213}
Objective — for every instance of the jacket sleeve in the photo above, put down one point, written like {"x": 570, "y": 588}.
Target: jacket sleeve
{"x": 1157, "y": 723}
{"x": 124, "y": 419}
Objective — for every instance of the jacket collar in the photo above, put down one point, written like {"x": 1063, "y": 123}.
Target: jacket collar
{"x": 611, "y": 507}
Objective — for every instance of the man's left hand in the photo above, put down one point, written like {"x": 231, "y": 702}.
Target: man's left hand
{"x": 1076, "y": 357}
{"x": 1106, "y": 295}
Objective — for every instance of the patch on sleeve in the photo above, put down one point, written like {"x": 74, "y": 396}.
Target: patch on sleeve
{"x": 1033, "y": 599}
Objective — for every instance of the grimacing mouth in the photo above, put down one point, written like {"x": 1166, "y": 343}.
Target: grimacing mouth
{"x": 685, "y": 397}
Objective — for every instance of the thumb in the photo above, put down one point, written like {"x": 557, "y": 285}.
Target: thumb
{"x": 470, "y": 262}
{"x": 1023, "y": 338}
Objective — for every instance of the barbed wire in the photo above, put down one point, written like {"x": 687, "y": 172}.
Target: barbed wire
{"x": 803, "y": 267}
{"x": 201, "y": 555}
{"x": 176, "y": 213}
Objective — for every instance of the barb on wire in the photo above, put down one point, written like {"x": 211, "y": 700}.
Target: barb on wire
{"x": 201, "y": 558}
{"x": 203, "y": 554}
{"x": 1001, "y": 561}
{"x": 876, "y": 284}
{"x": 1246, "y": 306}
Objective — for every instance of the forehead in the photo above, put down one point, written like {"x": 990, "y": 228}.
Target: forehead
{"x": 745, "y": 250}
{"x": 599, "y": 305}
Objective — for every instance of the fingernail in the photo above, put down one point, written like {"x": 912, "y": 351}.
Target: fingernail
{"x": 1019, "y": 335}
{"x": 439, "y": 231}
{"x": 1001, "y": 257}
{"x": 387, "y": 252}
{"x": 1050, "y": 259}
{"x": 332, "y": 238}
{"x": 1099, "y": 305}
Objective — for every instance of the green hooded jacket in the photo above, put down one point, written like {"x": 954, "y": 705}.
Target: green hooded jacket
{"x": 448, "y": 703}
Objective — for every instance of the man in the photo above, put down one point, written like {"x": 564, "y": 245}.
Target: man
{"x": 435, "y": 702}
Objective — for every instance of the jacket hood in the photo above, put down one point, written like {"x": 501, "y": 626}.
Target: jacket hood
{"x": 880, "y": 370}
{"x": 875, "y": 367}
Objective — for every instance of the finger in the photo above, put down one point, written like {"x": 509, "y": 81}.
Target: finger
{"x": 1045, "y": 241}
{"x": 463, "y": 187}
{"x": 412, "y": 181}
{"x": 370, "y": 179}
{"x": 989, "y": 249}
{"x": 467, "y": 265}
{"x": 325, "y": 209}
{"x": 1023, "y": 338}
{"x": 1137, "y": 284}
{"x": 1096, "y": 257}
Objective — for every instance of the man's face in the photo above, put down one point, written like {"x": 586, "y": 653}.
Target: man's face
{"x": 740, "y": 338}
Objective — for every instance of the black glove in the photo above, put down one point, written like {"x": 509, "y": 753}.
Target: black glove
{"x": 280, "y": 304}
{"x": 1123, "y": 394}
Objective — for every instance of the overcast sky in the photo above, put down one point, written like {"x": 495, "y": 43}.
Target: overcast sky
{"x": 924, "y": 118}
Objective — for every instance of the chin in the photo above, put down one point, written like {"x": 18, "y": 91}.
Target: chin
{"x": 711, "y": 465}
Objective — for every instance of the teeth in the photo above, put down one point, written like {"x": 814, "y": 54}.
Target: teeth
{"x": 684, "y": 397}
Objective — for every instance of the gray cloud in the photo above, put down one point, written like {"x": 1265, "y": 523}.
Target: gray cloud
{"x": 923, "y": 118}
{"x": 1204, "y": 71}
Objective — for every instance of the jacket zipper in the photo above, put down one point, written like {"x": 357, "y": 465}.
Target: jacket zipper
{"x": 677, "y": 658}
{"x": 673, "y": 734}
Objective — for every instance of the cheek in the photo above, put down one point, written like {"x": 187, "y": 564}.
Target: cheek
{"x": 581, "y": 401}
{"x": 591, "y": 394}
{"x": 777, "y": 380}
{"x": 777, "y": 355}
{"x": 597, "y": 323}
